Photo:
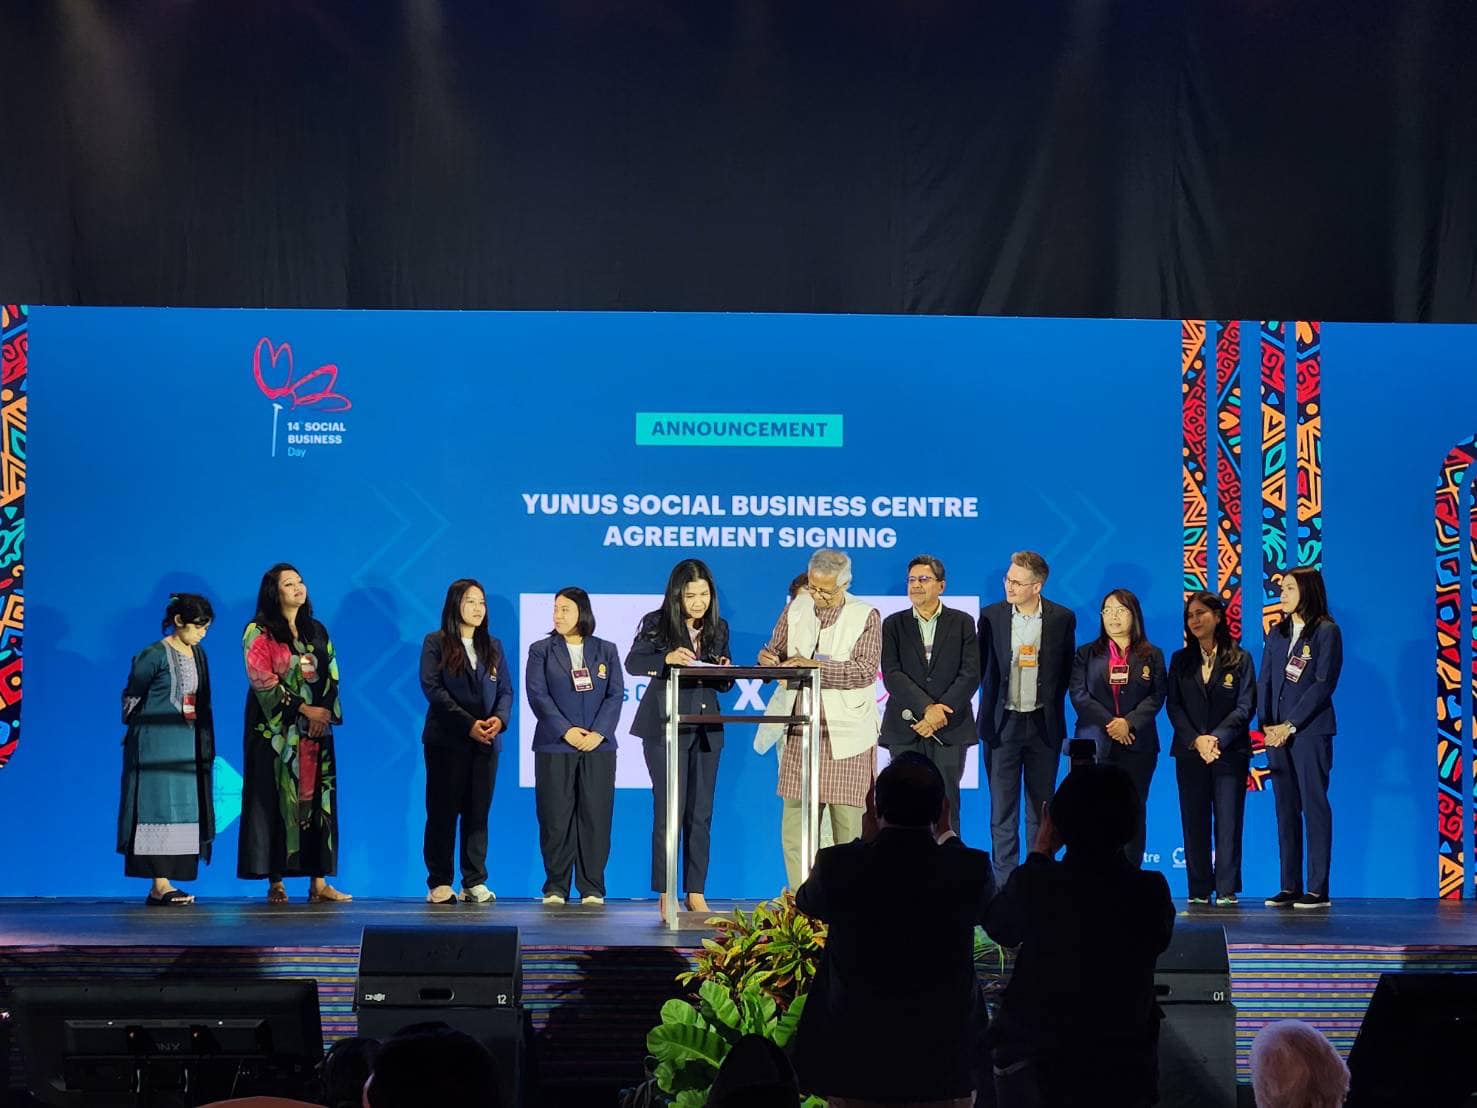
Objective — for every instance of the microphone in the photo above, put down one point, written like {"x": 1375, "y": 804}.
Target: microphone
{"x": 909, "y": 717}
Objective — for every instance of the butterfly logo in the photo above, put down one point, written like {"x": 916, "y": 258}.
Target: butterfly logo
{"x": 313, "y": 390}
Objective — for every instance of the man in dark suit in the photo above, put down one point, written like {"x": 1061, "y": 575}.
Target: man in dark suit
{"x": 1026, "y": 648}
{"x": 895, "y": 1011}
{"x": 931, "y": 667}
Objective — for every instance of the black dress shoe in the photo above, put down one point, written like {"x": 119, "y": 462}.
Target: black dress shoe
{"x": 1313, "y": 900}
{"x": 1283, "y": 899}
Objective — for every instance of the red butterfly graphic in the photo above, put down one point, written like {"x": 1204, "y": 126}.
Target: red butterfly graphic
{"x": 325, "y": 400}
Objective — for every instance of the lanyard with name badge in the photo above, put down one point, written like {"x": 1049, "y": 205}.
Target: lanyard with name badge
{"x": 582, "y": 682}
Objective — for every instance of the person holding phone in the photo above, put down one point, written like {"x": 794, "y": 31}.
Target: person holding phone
{"x": 1117, "y": 688}
{"x": 1300, "y": 670}
{"x": 1211, "y": 696}
{"x": 685, "y": 629}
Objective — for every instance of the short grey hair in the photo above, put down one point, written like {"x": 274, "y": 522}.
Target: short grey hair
{"x": 829, "y": 562}
{"x": 1294, "y": 1066}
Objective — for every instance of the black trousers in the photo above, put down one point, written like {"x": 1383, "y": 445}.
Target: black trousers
{"x": 1212, "y": 805}
{"x": 574, "y": 795}
{"x": 697, "y": 777}
{"x": 458, "y": 789}
{"x": 950, "y": 763}
{"x": 1024, "y": 751}
{"x": 1140, "y": 767}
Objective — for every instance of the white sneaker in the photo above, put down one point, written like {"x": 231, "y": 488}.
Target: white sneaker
{"x": 441, "y": 894}
{"x": 553, "y": 898}
{"x": 478, "y": 894}
{"x": 592, "y": 900}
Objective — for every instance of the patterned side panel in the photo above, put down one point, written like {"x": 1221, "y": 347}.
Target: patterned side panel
{"x": 1193, "y": 463}
{"x": 14, "y": 358}
{"x": 1451, "y": 753}
{"x": 1309, "y": 445}
{"x": 1274, "y": 468}
{"x": 1228, "y": 470}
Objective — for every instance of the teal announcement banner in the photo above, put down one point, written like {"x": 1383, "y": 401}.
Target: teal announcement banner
{"x": 738, "y": 429}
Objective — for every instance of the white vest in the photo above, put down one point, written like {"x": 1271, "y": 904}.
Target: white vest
{"x": 850, "y": 714}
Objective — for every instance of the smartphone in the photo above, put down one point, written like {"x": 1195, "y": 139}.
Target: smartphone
{"x": 1082, "y": 752}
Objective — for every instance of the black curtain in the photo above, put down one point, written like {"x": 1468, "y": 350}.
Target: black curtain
{"x": 1314, "y": 158}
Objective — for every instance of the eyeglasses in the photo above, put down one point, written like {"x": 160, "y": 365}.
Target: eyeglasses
{"x": 921, "y": 579}
{"x": 1115, "y": 610}
{"x": 825, "y": 593}
{"x": 1012, "y": 583}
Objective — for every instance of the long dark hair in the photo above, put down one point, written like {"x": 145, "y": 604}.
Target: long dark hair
{"x": 1138, "y": 642}
{"x": 453, "y": 656}
{"x": 1312, "y": 601}
{"x": 190, "y": 607}
{"x": 1227, "y": 650}
{"x": 674, "y": 619}
{"x": 269, "y": 615}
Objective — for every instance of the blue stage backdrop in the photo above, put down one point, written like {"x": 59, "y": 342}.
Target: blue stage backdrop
{"x": 386, "y": 454}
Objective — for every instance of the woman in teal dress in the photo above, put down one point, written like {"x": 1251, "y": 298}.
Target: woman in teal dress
{"x": 289, "y": 790}
{"x": 166, "y": 819}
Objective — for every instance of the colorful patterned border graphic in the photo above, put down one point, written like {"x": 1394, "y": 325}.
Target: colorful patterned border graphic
{"x": 1451, "y": 747}
{"x": 14, "y": 349}
{"x": 1309, "y": 444}
{"x": 1274, "y": 469}
{"x": 1193, "y": 464}
{"x": 1228, "y": 469}
{"x": 1224, "y": 525}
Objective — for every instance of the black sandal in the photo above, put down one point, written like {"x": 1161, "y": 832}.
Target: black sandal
{"x": 174, "y": 898}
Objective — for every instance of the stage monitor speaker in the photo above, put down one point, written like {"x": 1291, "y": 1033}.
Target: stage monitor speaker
{"x": 1418, "y": 1042}
{"x": 1197, "y": 1040}
{"x": 470, "y": 978}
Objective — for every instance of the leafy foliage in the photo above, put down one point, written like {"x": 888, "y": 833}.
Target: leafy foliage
{"x": 776, "y": 948}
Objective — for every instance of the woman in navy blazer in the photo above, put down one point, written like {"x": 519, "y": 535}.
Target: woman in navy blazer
{"x": 1212, "y": 695}
{"x": 575, "y": 690}
{"x": 1117, "y": 688}
{"x": 686, "y": 627}
{"x": 464, "y": 675}
{"x": 1300, "y": 670}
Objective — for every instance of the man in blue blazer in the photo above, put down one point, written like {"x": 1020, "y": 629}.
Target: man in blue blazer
{"x": 931, "y": 667}
{"x": 1026, "y": 648}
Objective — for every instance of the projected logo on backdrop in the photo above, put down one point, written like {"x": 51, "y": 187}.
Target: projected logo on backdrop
{"x": 617, "y": 616}
{"x": 314, "y": 390}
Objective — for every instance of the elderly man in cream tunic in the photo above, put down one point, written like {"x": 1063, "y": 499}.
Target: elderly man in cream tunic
{"x": 825, "y": 626}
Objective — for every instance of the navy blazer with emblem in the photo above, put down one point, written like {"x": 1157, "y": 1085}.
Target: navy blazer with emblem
{"x": 1139, "y": 701}
{"x": 1222, "y": 706}
{"x": 558, "y": 706}
{"x": 456, "y": 700}
{"x": 1307, "y": 703}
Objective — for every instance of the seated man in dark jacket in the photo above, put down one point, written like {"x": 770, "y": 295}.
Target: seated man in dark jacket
{"x": 893, "y": 1014}
{"x": 1079, "y": 1024}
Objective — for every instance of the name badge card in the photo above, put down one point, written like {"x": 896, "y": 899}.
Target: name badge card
{"x": 1118, "y": 674}
{"x": 1295, "y": 666}
{"x": 1026, "y": 658}
{"x": 582, "y": 682}
{"x": 309, "y": 666}
{"x": 188, "y": 707}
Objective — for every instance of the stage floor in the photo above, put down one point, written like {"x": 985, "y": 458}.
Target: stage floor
{"x": 242, "y": 922}
{"x": 595, "y": 978}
